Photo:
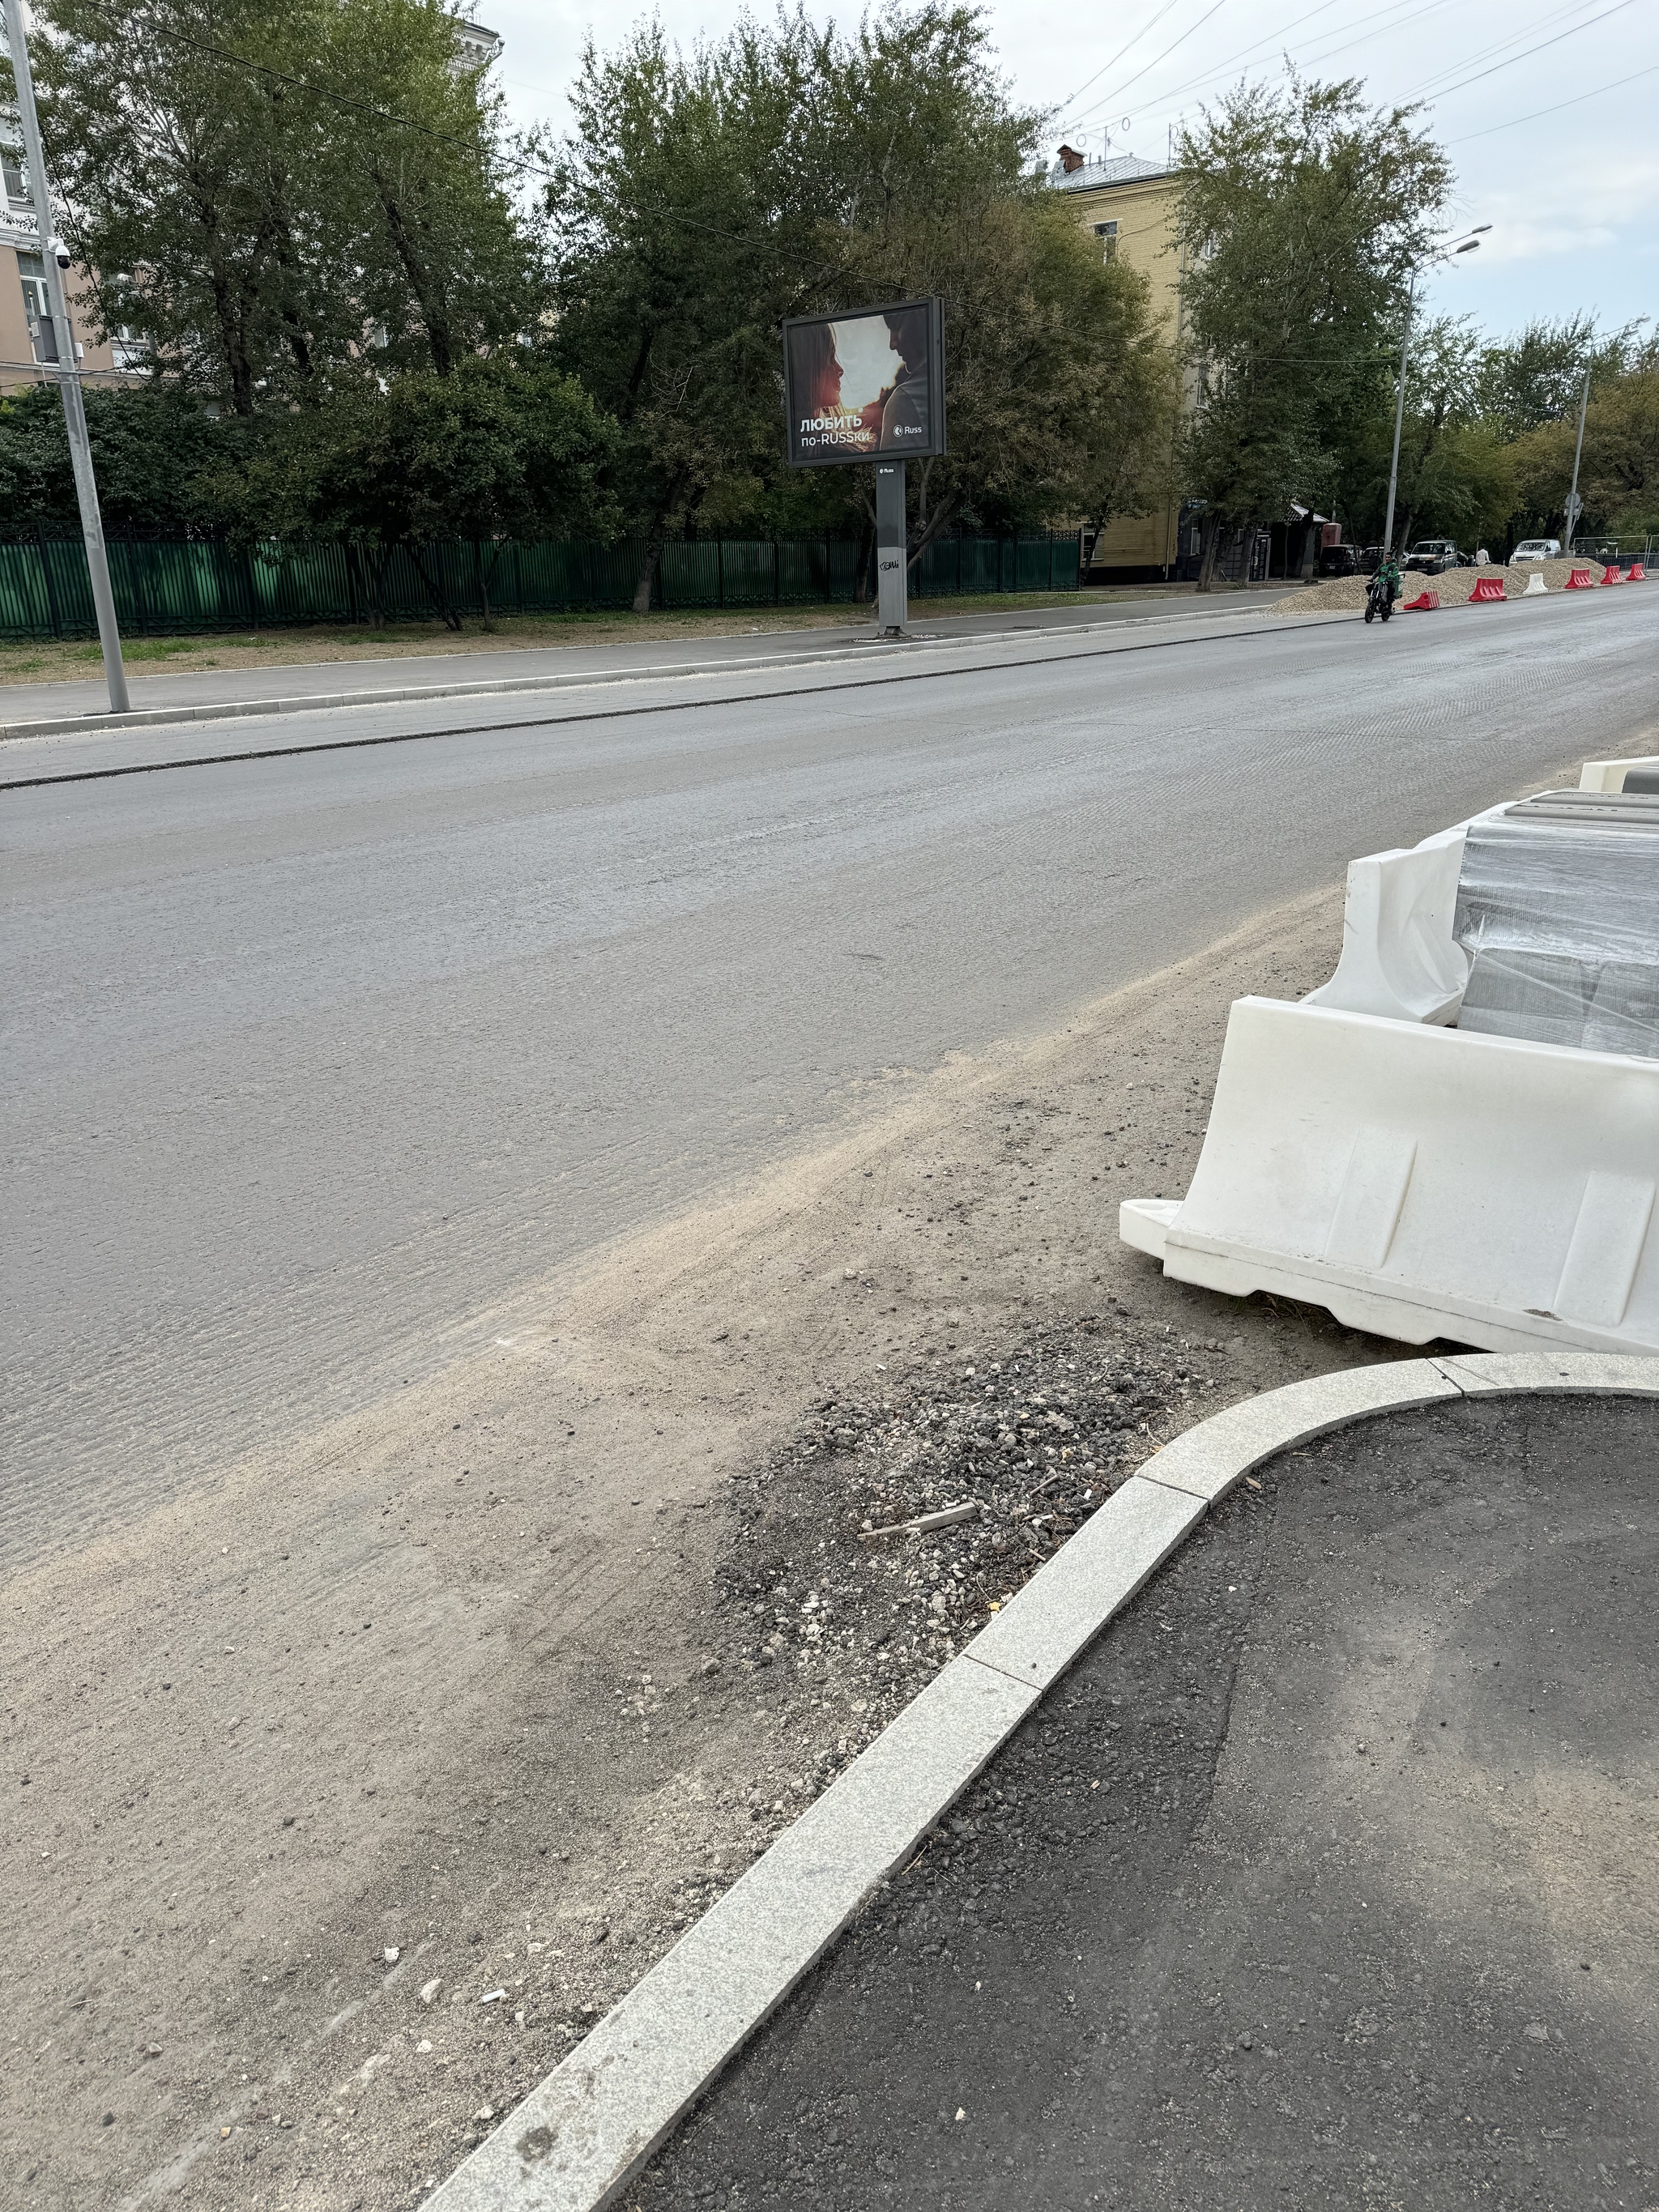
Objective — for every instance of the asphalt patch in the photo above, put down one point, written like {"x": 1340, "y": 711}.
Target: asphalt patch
{"x": 1325, "y": 1880}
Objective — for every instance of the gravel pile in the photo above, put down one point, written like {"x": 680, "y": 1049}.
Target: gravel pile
{"x": 826, "y": 1584}
{"x": 1346, "y": 594}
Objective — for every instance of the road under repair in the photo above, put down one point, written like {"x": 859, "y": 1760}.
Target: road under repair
{"x": 442, "y": 1175}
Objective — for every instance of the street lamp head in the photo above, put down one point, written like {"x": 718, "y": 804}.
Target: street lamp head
{"x": 1469, "y": 246}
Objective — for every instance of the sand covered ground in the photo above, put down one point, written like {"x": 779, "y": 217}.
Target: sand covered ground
{"x": 1346, "y": 594}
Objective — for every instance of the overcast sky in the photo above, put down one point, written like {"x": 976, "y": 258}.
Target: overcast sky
{"x": 1572, "y": 195}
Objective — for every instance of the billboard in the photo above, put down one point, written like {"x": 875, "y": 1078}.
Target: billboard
{"x": 866, "y": 386}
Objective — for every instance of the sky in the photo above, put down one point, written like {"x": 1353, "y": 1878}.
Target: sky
{"x": 1570, "y": 190}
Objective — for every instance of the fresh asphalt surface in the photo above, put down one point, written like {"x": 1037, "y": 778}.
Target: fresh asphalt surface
{"x": 1326, "y": 1880}
{"x": 314, "y": 1065}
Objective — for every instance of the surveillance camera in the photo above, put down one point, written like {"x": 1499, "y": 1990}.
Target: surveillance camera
{"x": 63, "y": 258}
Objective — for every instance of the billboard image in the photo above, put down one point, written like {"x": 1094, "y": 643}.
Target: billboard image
{"x": 866, "y": 386}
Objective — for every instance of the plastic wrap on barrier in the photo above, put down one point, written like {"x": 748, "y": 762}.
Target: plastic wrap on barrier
{"x": 1561, "y": 926}
{"x": 1605, "y": 1006}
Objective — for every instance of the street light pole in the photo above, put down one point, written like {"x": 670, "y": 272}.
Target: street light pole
{"x": 1470, "y": 245}
{"x": 67, "y": 371}
{"x": 1399, "y": 418}
{"x": 1572, "y": 496}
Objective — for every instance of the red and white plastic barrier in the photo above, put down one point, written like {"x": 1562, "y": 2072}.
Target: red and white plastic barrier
{"x": 1580, "y": 580}
{"x": 1425, "y": 603}
{"x": 1636, "y": 574}
{"x": 1487, "y": 589}
{"x": 1611, "y": 574}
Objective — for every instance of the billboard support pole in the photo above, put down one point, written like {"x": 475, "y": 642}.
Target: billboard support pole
{"x": 892, "y": 550}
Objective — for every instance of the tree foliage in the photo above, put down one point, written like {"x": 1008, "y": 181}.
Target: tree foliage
{"x": 275, "y": 197}
{"x": 701, "y": 199}
{"x": 161, "y": 465}
{"x": 492, "y": 449}
{"x": 1303, "y": 215}
{"x": 1619, "y": 471}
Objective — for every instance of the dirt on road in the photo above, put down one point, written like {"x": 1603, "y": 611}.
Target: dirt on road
{"x": 342, "y": 1797}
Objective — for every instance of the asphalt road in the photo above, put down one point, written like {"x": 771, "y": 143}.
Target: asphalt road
{"x": 312, "y": 1065}
{"x": 1323, "y": 1882}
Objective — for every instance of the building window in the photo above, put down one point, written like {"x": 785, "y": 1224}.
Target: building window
{"x": 37, "y": 308}
{"x": 14, "y": 178}
{"x": 1106, "y": 233}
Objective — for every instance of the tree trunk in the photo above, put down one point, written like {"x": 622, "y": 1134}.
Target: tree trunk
{"x": 1210, "y": 544}
{"x": 647, "y": 577}
{"x": 421, "y": 282}
{"x": 483, "y": 582}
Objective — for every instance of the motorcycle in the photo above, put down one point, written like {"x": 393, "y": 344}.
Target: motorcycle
{"x": 1379, "y": 599}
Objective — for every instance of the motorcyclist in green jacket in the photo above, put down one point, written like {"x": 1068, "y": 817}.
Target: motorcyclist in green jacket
{"x": 1389, "y": 577}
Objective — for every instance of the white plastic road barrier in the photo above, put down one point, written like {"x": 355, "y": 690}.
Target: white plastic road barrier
{"x": 1422, "y": 1183}
{"x": 1621, "y": 775}
{"x": 1535, "y": 585}
{"x": 1399, "y": 958}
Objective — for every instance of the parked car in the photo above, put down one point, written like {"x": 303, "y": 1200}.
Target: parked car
{"x": 1433, "y": 556}
{"x": 1338, "y": 560}
{"x": 1537, "y": 549}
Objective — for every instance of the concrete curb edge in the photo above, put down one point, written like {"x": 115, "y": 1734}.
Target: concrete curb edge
{"x": 140, "y": 718}
{"x": 577, "y": 2140}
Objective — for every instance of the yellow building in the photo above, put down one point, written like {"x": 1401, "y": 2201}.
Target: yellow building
{"x": 1130, "y": 206}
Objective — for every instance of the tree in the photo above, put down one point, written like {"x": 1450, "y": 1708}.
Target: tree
{"x": 687, "y": 212}
{"x": 1456, "y": 479}
{"x": 1063, "y": 393}
{"x": 272, "y": 196}
{"x": 1303, "y": 214}
{"x": 491, "y": 449}
{"x": 161, "y": 465}
{"x": 1618, "y": 472}
{"x": 701, "y": 199}
{"x": 1537, "y": 376}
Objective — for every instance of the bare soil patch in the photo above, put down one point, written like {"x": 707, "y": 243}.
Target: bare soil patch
{"x": 342, "y": 1797}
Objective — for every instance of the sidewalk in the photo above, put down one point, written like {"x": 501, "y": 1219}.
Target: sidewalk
{"x": 415, "y": 676}
{"x": 1323, "y": 1879}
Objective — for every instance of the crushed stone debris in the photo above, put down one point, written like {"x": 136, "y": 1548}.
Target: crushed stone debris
{"x": 1346, "y": 594}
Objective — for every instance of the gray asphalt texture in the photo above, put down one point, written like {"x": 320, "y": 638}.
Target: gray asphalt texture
{"x": 21, "y": 703}
{"x": 313, "y": 1066}
{"x": 1325, "y": 1880}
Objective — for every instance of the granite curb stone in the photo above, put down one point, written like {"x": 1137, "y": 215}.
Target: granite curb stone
{"x": 578, "y": 2140}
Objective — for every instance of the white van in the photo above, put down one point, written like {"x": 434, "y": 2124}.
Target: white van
{"x": 1537, "y": 549}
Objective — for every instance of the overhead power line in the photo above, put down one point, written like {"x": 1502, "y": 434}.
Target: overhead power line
{"x": 1445, "y": 91}
{"x": 1515, "y": 121}
{"x": 1112, "y": 98}
{"x": 1115, "y": 59}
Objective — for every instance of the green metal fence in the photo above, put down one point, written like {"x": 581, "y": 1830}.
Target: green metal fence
{"x": 165, "y": 587}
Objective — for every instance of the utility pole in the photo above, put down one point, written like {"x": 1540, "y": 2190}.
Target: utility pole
{"x": 1470, "y": 245}
{"x": 1572, "y": 496}
{"x": 1398, "y": 419}
{"x": 55, "y": 260}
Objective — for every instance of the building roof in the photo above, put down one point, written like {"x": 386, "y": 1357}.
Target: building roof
{"x": 1118, "y": 169}
{"x": 476, "y": 42}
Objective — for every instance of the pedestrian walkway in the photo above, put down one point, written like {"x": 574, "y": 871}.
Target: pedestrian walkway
{"x": 415, "y": 672}
{"x": 1325, "y": 1880}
